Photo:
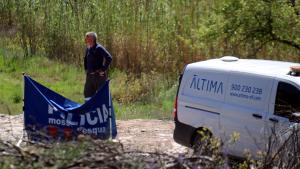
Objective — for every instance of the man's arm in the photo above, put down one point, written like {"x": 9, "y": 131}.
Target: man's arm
{"x": 107, "y": 57}
{"x": 85, "y": 61}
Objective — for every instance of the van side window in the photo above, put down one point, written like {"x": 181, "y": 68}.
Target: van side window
{"x": 287, "y": 100}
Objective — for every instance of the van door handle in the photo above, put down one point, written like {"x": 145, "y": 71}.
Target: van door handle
{"x": 273, "y": 120}
{"x": 257, "y": 116}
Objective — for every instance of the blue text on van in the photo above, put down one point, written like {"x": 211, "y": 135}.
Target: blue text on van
{"x": 207, "y": 85}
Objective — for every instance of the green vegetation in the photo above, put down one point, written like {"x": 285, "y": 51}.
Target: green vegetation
{"x": 131, "y": 99}
{"x": 150, "y": 42}
{"x": 160, "y": 36}
{"x": 88, "y": 153}
{"x": 51, "y": 155}
{"x": 147, "y": 97}
{"x": 65, "y": 79}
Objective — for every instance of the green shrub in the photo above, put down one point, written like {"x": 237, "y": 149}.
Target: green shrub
{"x": 17, "y": 98}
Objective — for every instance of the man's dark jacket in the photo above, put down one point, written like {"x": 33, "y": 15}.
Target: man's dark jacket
{"x": 97, "y": 58}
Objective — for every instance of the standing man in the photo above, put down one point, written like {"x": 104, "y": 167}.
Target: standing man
{"x": 96, "y": 62}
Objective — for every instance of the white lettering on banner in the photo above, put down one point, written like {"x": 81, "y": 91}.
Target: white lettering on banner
{"x": 69, "y": 120}
{"x": 207, "y": 85}
{"x": 61, "y": 122}
{"x": 92, "y": 118}
{"x": 95, "y": 130}
{"x": 89, "y": 119}
{"x": 50, "y": 109}
{"x": 105, "y": 112}
{"x": 82, "y": 119}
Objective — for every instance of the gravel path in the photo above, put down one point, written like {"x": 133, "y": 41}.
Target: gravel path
{"x": 141, "y": 135}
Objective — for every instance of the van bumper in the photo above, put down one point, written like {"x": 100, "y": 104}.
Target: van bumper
{"x": 183, "y": 133}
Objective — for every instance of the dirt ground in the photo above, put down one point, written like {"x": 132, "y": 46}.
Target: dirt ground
{"x": 141, "y": 135}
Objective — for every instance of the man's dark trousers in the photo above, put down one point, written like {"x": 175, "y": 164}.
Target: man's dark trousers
{"x": 93, "y": 83}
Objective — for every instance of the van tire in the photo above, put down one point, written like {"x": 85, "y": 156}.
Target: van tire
{"x": 201, "y": 142}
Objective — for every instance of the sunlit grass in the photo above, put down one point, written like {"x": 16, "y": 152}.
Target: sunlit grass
{"x": 145, "y": 98}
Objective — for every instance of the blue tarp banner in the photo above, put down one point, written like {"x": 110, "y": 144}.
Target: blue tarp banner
{"x": 48, "y": 115}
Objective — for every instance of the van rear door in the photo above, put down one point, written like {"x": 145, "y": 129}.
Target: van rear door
{"x": 201, "y": 96}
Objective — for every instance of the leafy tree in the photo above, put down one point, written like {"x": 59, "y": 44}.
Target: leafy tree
{"x": 160, "y": 36}
{"x": 256, "y": 24}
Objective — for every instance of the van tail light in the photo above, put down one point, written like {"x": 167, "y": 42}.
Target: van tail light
{"x": 175, "y": 111}
{"x": 175, "y": 108}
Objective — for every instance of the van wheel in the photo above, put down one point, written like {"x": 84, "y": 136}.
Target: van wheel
{"x": 202, "y": 143}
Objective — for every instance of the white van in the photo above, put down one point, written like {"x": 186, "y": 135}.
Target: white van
{"x": 244, "y": 96}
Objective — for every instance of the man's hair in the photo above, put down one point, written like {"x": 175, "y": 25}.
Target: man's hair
{"x": 92, "y": 34}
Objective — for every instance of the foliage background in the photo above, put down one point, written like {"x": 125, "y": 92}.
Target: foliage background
{"x": 146, "y": 35}
{"x": 150, "y": 41}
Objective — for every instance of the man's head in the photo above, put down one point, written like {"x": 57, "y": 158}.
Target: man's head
{"x": 90, "y": 39}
